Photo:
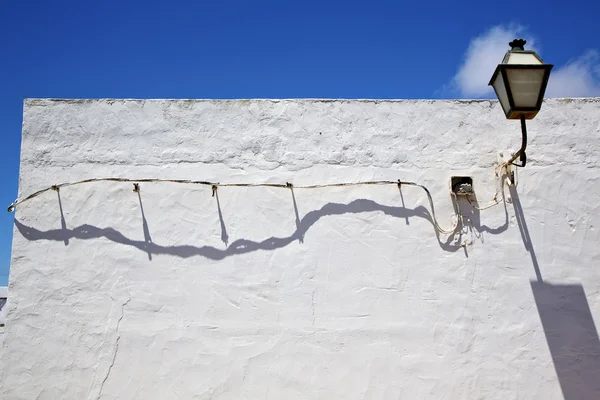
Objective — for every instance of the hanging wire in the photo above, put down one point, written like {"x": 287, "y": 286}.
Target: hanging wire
{"x": 477, "y": 207}
{"x": 496, "y": 200}
{"x": 214, "y": 187}
{"x": 434, "y": 218}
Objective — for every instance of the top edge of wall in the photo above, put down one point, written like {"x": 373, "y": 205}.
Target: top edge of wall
{"x": 49, "y": 101}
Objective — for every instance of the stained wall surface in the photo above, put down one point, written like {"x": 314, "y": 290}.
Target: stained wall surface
{"x": 333, "y": 293}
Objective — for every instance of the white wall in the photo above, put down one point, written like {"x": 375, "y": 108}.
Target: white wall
{"x": 331, "y": 293}
{"x": 3, "y": 308}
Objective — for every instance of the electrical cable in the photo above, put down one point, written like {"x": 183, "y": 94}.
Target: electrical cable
{"x": 434, "y": 218}
{"x": 496, "y": 202}
{"x": 215, "y": 185}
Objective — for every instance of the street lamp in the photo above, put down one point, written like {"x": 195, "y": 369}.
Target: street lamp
{"x": 520, "y": 83}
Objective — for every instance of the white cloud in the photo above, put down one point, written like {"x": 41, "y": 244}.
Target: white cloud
{"x": 485, "y": 52}
{"x": 578, "y": 78}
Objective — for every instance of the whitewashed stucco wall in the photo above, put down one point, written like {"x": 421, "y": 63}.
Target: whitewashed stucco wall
{"x": 3, "y": 297}
{"x": 332, "y": 293}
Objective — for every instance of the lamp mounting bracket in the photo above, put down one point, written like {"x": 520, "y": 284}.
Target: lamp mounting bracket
{"x": 521, "y": 152}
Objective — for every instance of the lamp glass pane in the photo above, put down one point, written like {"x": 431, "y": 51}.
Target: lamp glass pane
{"x": 523, "y": 58}
{"x": 500, "y": 89}
{"x": 525, "y": 85}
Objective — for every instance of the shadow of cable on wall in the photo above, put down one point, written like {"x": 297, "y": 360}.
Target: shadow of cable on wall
{"x": 469, "y": 228}
{"x": 147, "y": 238}
{"x": 568, "y": 325}
{"x": 242, "y": 246}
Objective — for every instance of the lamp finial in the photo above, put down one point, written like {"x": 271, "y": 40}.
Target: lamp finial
{"x": 518, "y": 44}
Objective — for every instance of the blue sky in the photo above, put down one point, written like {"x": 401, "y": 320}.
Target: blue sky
{"x": 278, "y": 49}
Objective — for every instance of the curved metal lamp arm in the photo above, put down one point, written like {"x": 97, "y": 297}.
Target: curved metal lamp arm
{"x": 521, "y": 152}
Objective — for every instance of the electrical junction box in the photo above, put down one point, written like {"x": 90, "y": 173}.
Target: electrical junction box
{"x": 461, "y": 185}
